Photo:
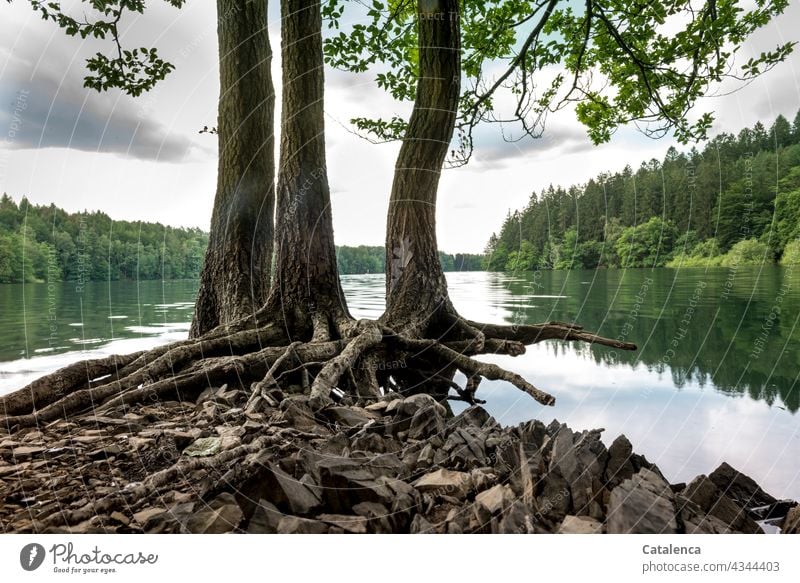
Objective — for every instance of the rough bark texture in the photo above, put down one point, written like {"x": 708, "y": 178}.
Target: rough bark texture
{"x": 303, "y": 339}
{"x": 236, "y": 271}
{"x": 415, "y": 284}
{"x": 306, "y": 296}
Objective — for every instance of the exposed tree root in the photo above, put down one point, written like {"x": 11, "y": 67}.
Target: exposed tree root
{"x": 330, "y": 374}
{"x": 47, "y": 389}
{"x": 356, "y": 357}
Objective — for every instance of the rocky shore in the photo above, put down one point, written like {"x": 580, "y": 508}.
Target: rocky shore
{"x": 398, "y": 465}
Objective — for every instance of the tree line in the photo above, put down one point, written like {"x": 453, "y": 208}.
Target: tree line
{"x": 721, "y": 205}
{"x": 372, "y": 259}
{"x": 47, "y": 243}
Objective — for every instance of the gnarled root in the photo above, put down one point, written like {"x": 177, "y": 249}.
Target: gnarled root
{"x": 345, "y": 354}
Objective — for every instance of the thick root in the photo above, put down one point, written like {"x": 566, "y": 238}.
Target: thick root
{"x": 50, "y": 388}
{"x": 330, "y": 374}
{"x": 534, "y": 333}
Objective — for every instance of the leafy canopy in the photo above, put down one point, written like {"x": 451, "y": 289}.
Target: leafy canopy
{"x": 614, "y": 61}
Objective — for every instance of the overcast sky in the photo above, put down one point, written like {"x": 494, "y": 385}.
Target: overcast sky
{"x": 144, "y": 159}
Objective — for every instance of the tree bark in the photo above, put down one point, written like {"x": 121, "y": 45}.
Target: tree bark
{"x": 235, "y": 278}
{"x": 306, "y": 295}
{"x": 416, "y": 289}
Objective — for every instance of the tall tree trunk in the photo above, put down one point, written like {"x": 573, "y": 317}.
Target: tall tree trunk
{"x": 235, "y": 278}
{"x": 416, "y": 289}
{"x": 306, "y": 293}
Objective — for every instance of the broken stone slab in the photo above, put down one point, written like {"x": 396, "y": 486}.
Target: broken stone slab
{"x": 465, "y": 448}
{"x": 643, "y": 504}
{"x": 26, "y": 451}
{"x": 554, "y": 500}
{"x": 580, "y": 458}
{"x": 492, "y": 502}
{"x": 580, "y": 525}
{"x": 377, "y": 516}
{"x": 711, "y": 499}
{"x": 409, "y": 406}
{"x": 426, "y": 422}
{"x": 620, "y": 463}
{"x": 742, "y": 489}
{"x": 297, "y": 525}
{"x": 265, "y": 519}
{"x": 696, "y": 521}
{"x": 348, "y": 523}
{"x": 445, "y": 482}
{"x": 222, "y": 515}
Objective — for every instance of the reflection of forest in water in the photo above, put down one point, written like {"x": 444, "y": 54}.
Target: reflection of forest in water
{"x": 733, "y": 329}
{"x": 716, "y": 328}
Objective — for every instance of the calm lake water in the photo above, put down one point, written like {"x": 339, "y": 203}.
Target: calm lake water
{"x": 715, "y": 378}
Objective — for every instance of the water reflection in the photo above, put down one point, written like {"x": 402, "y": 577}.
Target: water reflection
{"x": 715, "y": 377}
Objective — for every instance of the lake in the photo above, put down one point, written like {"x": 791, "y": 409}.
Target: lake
{"x": 715, "y": 377}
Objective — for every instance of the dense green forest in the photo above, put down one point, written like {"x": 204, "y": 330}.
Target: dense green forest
{"x": 366, "y": 259}
{"x": 735, "y": 202}
{"x": 46, "y": 243}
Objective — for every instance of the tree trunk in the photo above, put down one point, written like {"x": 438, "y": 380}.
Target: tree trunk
{"x": 306, "y": 293}
{"x": 416, "y": 289}
{"x": 236, "y": 271}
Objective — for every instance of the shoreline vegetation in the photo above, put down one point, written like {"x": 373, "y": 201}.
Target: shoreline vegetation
{"x": 217, "y": 462}
{"x": 736, "y": 202}
{"x": 41, "y": 243}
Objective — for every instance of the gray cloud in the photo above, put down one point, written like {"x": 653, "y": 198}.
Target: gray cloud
{"x": 492, "y": 148}
{"x": 44, "y": 105}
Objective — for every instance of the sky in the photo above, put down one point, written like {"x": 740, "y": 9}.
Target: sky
{"x": 143, "y": 158}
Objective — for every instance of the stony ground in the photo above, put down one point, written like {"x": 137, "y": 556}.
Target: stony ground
{"x": 398, "y": 465}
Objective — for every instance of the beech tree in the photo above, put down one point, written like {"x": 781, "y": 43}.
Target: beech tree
{"x": 303, "y": 338}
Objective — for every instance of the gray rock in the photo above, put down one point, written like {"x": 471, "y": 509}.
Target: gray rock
{"x": 554, "y": 500}
{"x": 220, "y": 516}
{"x": 445, "y": 483}
{"x": 696, "y": 521}
{"x": 711, "y": 500}
{"x": 377, "y": 515}
{"x": 791, "y": 524}
{"x": 492, "y": 502}
{"x": 347, "y": 482}
{"x": 620, "y": 464}
{"x": 517, "y": 519}
{"x": 741, "y": 488}
{"x": 297, "y": 525}
{"x": 642, "y": 505}
{"x": 409, "y": 406}
{"x": 581, "y": 458}
{"x": 580, "y": 525}
{"x": 426, "y": 422}
{"x": 465, "y": 448}
{"x": 476, "y": 416}
{"x": 272, "y": 484}
{"x": 265, "y": 519}
{"x": 348, "y": 523}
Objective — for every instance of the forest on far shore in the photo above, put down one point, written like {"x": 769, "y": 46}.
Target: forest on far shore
{"x": 736, "y": 202}
{"x": 47, "y": 243}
